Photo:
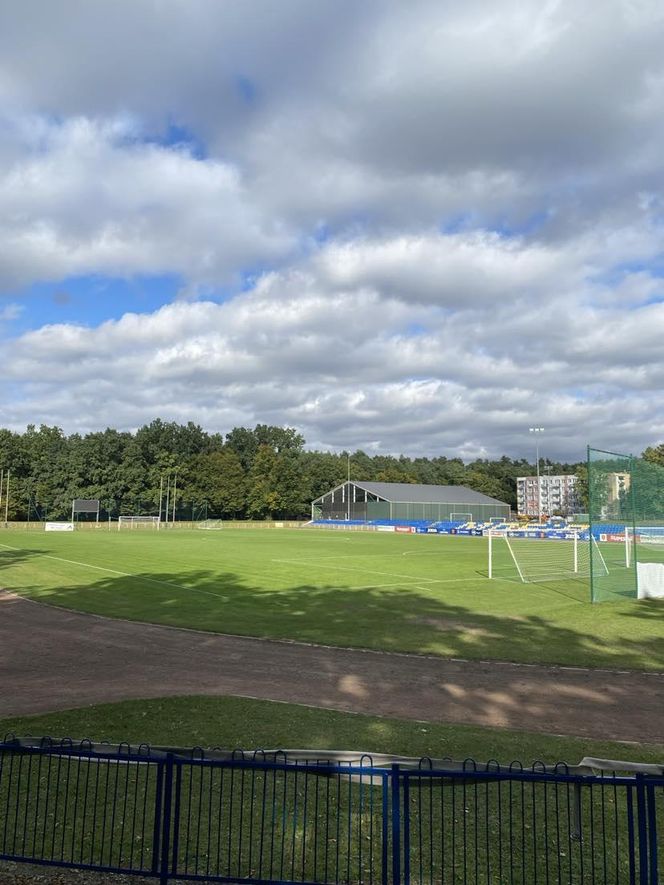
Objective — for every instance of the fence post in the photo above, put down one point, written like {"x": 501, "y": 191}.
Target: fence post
{"x": 652, "y": 833}
{"x": 164, "y": 871}
{"x": 642, "y": 825}
{"x": 396, "y": 826}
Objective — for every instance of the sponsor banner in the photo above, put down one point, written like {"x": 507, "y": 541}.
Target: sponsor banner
{"x": 59, "y": 526}
{"x": 404, "y": 529}
{"x": 421, "y": 531}
{"x": 433, "y": 531}
{"x": 442, "y": 531}
{"x": 384, "y": 528}
{"x": 615, "y": 537}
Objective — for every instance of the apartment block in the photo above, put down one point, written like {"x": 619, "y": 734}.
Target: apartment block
{"x": 556, "y": 495}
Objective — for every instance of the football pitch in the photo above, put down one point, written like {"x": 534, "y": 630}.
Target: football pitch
{"x": 413, "y": 593}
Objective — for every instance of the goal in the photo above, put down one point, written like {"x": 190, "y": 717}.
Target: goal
{"x": 138, "y": 522}
{"x": 210, "y": 525}
{"x": 531, "y": 560}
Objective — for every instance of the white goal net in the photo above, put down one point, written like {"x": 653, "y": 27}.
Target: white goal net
{"x": 530, "y": 560}
{"x": 210, "y": 525}
{"x": 138, "y": 522}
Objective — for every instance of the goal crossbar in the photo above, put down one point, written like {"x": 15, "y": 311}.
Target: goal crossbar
{"x": 134, "y": 522}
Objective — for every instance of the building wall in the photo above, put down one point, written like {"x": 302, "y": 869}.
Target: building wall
{"x": 350, "y": 502}
{"x": 557, "y": 494}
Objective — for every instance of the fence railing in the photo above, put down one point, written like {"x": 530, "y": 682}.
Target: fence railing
{"x": 291, "y": 817}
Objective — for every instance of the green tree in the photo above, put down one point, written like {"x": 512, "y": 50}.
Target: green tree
{"x": 262, "y": 496}
{"x": 218, "y": 480}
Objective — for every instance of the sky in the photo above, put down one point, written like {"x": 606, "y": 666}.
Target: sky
{"x": 413, "y": 227}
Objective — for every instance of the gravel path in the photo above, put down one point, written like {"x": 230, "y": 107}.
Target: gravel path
{"x": 53, "y": 659}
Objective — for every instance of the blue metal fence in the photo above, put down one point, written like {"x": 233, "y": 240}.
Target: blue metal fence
{"x": 272, "y": 818}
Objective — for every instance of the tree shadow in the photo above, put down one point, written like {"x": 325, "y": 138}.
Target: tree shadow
{"x": 10, "y": 557}
{"x": 378, "y": 618}
{"x": 90, "y": 661}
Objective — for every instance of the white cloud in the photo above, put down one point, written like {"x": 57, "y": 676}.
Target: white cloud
{"x": 485, "y": 179}
{"x": 353, "y": 362}
{"x": 89, "y": 197}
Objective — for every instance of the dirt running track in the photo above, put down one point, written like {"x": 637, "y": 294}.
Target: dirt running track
{"x": 53, "y": 659}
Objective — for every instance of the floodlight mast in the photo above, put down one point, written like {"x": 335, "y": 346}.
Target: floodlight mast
{"x": 536, "y": 431}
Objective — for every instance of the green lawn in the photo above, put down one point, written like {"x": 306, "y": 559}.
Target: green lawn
{"x": 250, "y": 724}
{"x": 417, "y": 593}
{"x": 308, "y": 826}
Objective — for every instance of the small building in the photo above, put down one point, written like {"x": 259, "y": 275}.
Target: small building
{"x": 407, "y": 501}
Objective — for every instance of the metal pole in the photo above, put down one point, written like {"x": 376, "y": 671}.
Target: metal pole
{"x": 539, "y": 490}
{"x": 626, "y": 545}
{"x": 161, "y": 493}
{"x": 168, "y": 496}
{"x": 536, "y": 431}
{"x": 175, "y": 488}
{"x": 7, "y": 498}
{"x": 348, "y": 487}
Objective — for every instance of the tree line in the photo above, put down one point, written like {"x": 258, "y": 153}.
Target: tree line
{"x": 260, "y": 473}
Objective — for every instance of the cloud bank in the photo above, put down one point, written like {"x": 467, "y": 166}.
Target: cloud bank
{"x": 415, "y": 230}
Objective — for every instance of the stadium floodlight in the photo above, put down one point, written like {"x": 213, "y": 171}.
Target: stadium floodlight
{"x": 537, "y": 431}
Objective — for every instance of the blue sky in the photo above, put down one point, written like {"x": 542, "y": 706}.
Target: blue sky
{"x": 439, "y": 217}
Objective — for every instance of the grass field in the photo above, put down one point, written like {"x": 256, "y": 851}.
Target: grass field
{"x": 416, "y": 593}
{"x": 304, "y": 826}
{"x": 251, "y": 724}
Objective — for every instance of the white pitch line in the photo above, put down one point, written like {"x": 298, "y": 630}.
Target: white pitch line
{"x": 346, "y": 568}
{"x": 411, "y": 578}
{"x": 113, "y": 571}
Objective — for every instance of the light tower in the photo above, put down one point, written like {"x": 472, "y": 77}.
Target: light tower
{"x": 537, "y": 431}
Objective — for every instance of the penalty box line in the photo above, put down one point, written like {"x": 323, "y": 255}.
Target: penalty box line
{"x": 347, "y": 568}
{"x": 112, "y": 571}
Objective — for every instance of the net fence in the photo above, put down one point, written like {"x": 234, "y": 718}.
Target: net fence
{"x": 626, "y": 516}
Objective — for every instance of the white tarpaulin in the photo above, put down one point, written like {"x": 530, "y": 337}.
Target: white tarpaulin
{"x": 650, "y": 577}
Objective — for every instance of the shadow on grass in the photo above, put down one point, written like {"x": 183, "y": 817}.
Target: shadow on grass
{"x": 9, "y": 557}
{"x": 409, "y": 619}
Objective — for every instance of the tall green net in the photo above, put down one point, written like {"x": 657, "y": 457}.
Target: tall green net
{"x": 626, "y": 516}
{"x": 612, "y": 522}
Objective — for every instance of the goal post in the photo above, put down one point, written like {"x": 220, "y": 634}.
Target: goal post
{"x": 138, "y": 522}
{"x": 533, "y": 560}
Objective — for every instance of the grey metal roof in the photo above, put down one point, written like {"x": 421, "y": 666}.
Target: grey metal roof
{"x": 411, "y": 493}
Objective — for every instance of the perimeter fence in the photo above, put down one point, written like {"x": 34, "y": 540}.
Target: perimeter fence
{"x": 626, "y": 513}
{"x": 300, "y": 817}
